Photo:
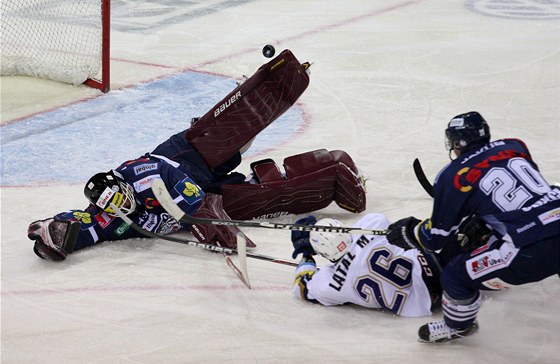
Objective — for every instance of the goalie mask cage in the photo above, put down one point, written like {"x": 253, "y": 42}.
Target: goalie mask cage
{"x": 61, "y": 40}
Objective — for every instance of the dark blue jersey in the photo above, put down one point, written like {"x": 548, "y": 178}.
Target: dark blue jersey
{"x": 185, "y": 175}
{"x": 97, "y": 225}
{"x": 500, "y": 183}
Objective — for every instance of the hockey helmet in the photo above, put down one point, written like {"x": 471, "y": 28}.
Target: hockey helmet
{"x": 467, "y": 131}
{"x": 328, "y": 244}
{"x": 110, "y": 187}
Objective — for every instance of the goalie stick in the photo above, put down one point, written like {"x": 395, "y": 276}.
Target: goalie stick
{"x": 165, "y": 199}
{"x": 197, "y": 244}
{"x": 242, "y": 254}
{"x": 421, "y": 176}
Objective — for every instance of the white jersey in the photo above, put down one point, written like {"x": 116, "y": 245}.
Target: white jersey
{"x": 373, "y": 274}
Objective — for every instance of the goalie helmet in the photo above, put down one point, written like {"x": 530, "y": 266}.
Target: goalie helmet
{"x": 467, "y": 131}
{"x": 109, "y": 187}
{"x": 328, "y": 244}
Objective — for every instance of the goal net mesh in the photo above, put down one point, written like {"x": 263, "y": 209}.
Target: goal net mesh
{"x": 55, "y": 39}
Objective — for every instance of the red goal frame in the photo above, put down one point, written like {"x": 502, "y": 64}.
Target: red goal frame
{"x": 104, "y": 84}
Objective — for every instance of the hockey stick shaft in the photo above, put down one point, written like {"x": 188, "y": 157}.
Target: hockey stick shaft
{"x": 421, "y": 176}
{"x": 198, "y": 244}
{"x": 165, "y": 199}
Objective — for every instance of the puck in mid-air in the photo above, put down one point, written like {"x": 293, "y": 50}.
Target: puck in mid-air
{"x": 268, "y": 51}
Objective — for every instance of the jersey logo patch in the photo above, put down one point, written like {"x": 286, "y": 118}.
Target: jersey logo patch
{"x": 550, "y": 216}
{"x": 144, "y": 183}
{"x": 150, "y": 223}
{"x": 150, "y": 203}
{"x": 84, "y": 217}
{"x": 144, "y": 168}
{"x": 490, "y": 261}
{"x": 103, "y": 219}
{"x": 189, "y": 190}
{"x": 496, "y": 284}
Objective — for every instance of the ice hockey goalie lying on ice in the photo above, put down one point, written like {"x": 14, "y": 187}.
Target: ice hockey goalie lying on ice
{"x": 197, "y": 166}
{"x": 365, "y": 270}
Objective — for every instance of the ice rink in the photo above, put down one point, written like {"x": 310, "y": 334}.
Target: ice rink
{"x": 387, "y": 76}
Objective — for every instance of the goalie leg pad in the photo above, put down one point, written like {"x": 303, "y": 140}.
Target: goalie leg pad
{"x": 349, "y": 190}
{"x": 222, "y": 235}
{"x": 248, "y": 109}
{"x": 54, "y": 239}
{"x": 313, "y": 180}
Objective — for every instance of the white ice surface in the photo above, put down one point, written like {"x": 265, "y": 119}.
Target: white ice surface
{"x": 387, "y": 75}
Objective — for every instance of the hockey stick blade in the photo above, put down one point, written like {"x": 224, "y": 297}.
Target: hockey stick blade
{"x": 242, "y": 257}
{"x": 197, "y": 244}
{"x": 238, "y": 272}
{"x": 165, "y": 199}
{"x": 421, "y": 176}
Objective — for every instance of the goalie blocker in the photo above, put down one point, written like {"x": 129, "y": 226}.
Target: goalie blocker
{"x": 311, "y": 181}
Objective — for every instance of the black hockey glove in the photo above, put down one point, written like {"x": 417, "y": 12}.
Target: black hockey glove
{"x": 401, "y": 233}
{"x": 473, "y": 234}
{"x": 300, "y": 239}
{"x": 54, "y": 238}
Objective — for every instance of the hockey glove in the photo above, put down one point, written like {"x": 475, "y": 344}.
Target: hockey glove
{"x": 300, "y": 239}
{"x": 54, "y": 238}
{"x": 473, "y": 234}
{"x": 401, "y": 233}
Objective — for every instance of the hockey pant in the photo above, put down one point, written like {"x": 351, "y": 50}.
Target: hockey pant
{"x": 312, "y": 180}
{"x": 234, "y": 121}
{"x": 496, "y": 266}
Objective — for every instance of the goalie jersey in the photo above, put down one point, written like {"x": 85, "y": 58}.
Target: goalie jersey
{"x": 373, "y": 274}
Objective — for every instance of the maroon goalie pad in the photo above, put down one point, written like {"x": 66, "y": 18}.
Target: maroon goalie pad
{"x": 221, "y": 235}
{"x": 248, "y": 109}
{"x": 312, "y": 181}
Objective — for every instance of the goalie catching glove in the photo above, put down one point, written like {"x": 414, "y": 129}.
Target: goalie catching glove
{"x": 54, "y": 239}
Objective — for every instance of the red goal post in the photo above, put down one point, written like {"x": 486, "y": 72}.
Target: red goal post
{"x": 62, "y": 40}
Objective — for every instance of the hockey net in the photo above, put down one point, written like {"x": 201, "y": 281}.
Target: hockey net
{"x": 62, "y": 40}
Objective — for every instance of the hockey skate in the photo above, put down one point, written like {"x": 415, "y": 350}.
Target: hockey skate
{"x": 439, "y": 332}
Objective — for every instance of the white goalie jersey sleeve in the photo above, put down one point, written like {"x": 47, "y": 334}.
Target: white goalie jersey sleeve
{"x": 373, "y": 274}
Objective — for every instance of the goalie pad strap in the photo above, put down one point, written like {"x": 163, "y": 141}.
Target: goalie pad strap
{"x": 313, "y": 180}
{"x": 248, "y": 109}
{"x": 266, "y": 170}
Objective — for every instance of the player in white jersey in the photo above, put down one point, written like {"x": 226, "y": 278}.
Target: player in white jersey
{"x": 365, "y": 270}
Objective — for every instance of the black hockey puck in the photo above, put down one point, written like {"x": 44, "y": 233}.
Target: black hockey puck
{"x": 268, "y": 51}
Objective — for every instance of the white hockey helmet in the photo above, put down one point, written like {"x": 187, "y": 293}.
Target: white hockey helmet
{"x": 328, "y": 244}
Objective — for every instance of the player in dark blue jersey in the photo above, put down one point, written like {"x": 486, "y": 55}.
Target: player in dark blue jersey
{"x": 128, "y": 187}
{"x": 197, "y": 166}
{"x": 495, "y": 218}
{"x": 200, "y": 191}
